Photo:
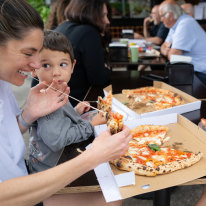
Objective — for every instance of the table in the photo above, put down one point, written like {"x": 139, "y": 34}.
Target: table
{"x": 158, "y": 61}
{"x": 132, "y": 79}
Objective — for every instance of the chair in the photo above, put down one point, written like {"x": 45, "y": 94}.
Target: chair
{"x": 180, "y": 73}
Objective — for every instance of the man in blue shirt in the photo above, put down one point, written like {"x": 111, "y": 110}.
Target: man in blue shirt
{"x": 158, "y": 32}
{"x": 186, "y": 37}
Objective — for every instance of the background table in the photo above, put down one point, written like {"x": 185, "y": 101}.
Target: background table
{"x": 158, "y": 61}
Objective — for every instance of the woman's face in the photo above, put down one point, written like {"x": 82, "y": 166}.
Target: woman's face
{"x": 18, "y": 57}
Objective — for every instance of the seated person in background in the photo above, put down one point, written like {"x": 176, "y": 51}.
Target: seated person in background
{"x": 188, "y": 9}
{"x": 51, "y": 133}
{"x": 87, "y": 21}
{"x": 158, "y": 32}
{"x": 56, "y": 16}
{"x": 186, "y": 37}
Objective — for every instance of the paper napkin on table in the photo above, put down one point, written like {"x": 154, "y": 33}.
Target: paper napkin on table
{"x": 180, "y": 58}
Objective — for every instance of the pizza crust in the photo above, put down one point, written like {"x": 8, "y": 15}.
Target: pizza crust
{"x": 125, "y": 163}
{"x": 178, "y": 164}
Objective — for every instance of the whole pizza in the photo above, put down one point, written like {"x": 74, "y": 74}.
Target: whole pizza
{"x": 147, "y": 99}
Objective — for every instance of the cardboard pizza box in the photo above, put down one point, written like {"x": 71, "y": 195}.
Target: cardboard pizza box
{"x": 185, "y": 136}
{"x": 190, "y": 103}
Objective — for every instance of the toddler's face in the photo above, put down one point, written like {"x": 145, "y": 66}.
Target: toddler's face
{"x": 54, "y": 65}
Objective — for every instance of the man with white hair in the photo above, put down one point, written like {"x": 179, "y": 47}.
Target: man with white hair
{"x": 158, "y": 32}
{"x": 186, "y": 37}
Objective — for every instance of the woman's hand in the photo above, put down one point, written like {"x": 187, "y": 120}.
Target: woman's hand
{"x": 108, "y": 147}
{"x": 43, "y": 100}
{"x": 82, "y": 107}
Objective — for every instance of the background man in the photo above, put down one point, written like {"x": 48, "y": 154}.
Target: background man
{"x": 186, "y": 37}
{"x": 158, "y": 32}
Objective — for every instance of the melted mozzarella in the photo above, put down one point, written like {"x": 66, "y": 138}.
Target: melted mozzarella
{"x": 143, "y": 158}
{"x": 138, "y": 99}
{"x": 145, "y": 153}
{"x": 150, "y": 164}
{"x": 158, "y": 158}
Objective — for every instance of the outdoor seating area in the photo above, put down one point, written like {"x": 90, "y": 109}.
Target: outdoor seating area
{"x": 105, "y": 102}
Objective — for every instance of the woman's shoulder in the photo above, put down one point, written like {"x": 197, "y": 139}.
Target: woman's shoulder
{"x": 68, "y": 26}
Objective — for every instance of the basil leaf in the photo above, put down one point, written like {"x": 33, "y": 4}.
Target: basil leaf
{"x": 125, "y": 103}
{"x": 154, "y": 147}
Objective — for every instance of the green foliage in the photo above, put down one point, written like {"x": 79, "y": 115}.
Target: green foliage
{"x": 41, "y": 7}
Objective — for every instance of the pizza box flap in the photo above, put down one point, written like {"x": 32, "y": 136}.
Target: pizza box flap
{"x": 185, "y": 136}
{"x": 190, "y": 103}
{"x": 107, "y": 89}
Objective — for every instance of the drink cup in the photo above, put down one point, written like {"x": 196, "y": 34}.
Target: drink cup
{"x": 134, "y": 50}
{"x": 124, "y": 41}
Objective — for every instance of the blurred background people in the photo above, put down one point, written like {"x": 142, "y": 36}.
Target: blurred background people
{"x": 155, "y": 33}
{"x": 56, "y": 15}
{"x": 86, "y": 25}
{"x": 186, "y": 37}
{"x": 188, "y": 9}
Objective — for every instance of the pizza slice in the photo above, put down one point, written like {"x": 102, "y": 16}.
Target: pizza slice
{"x": 105, "y": 104}
{"x": 150, "y": 134}
{"x": 114, "y": 122}
{"x": 152, "y": 160}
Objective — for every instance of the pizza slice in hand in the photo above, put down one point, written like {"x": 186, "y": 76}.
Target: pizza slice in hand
{"x": 114, "y": 122}
{"x": 105, "y": 104}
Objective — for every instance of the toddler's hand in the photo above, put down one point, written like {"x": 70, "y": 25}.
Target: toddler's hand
{"x": 82, "y": 107}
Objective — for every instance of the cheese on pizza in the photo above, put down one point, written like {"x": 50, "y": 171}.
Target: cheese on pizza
{"x": 147, "y": 134}
{"x": 105, "y": 104}
{"x": 114, "y": 122}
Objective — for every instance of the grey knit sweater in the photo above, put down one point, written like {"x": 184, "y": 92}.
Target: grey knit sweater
{"x": 52, "y": 133}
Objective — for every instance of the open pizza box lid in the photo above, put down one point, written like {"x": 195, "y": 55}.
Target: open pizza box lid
{"x": 191, "y": 103}
{"x": 184, "y": 136}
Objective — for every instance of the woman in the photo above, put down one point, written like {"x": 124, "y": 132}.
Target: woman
{"x": 21, "y": 38}
{"x": 87, "y": 22}
{"x": 56, "y": 15}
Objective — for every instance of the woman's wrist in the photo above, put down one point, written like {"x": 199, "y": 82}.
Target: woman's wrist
{"x": 24, "y": 121}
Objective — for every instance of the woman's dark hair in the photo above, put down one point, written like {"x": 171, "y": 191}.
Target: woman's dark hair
{"x": 17, "y": 17}
{"x": 56, "y": 15}
{"x": 86, "y": 12}
{"x": 56, "y": 41}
